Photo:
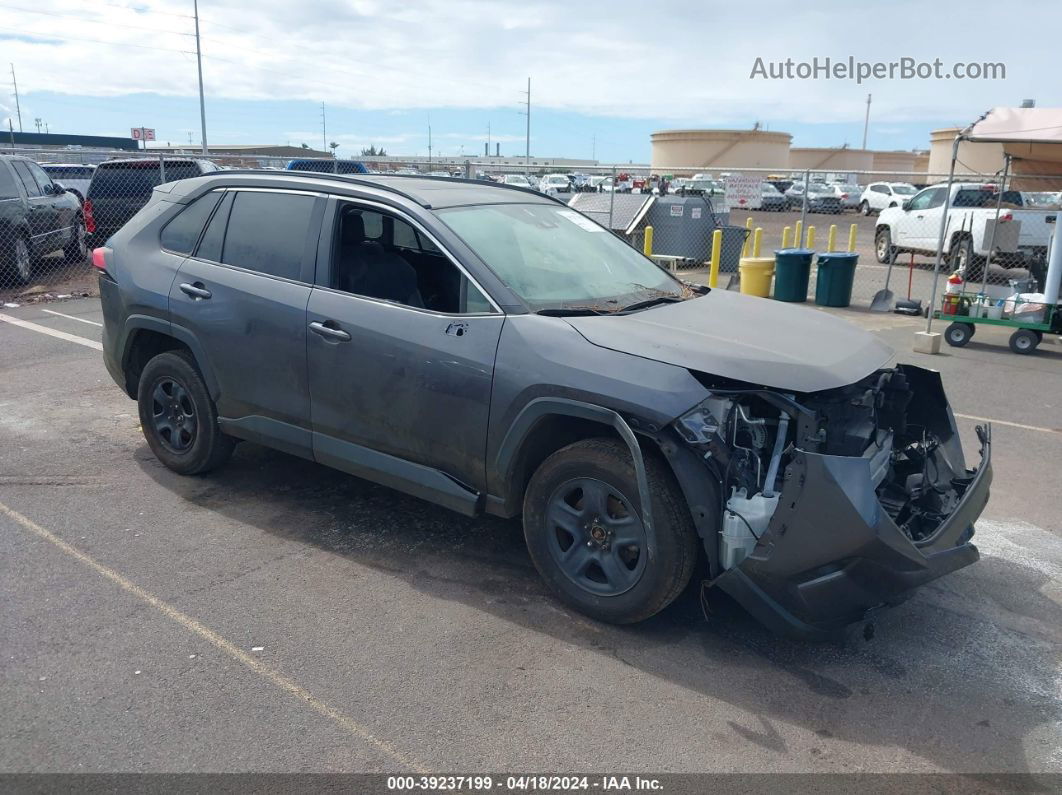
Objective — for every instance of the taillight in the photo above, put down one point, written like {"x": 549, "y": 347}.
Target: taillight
{"x": 1006, "y": 217}
{"x": 99, "y": 257}
{"x": 90, "y": 219}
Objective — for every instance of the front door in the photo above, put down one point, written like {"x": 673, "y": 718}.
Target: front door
{"x": 401, "y": 349}
{"x": 45, "y": 236}
{"x": 921, "y": 223}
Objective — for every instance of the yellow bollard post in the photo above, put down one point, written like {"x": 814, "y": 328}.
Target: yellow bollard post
{"x": 647, "y": 246}
{"x": 811, "y": 237}
{"x": 852, "y": 238}
{"x": 831, "y": 239}
{"x": 798, "y": 233}
{"x": 786, "y": 235}
{"x": 748, "y": 238}
{"x": 717, "y": 252}
{"x": 757, "y": 239}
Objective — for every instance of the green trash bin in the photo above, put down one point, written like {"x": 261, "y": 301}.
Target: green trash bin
{"x": 792, "y": 271}
{"x": 836, "y": 273}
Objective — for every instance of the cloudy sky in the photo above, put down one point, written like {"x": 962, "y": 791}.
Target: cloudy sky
{"x": 605, "y": 73}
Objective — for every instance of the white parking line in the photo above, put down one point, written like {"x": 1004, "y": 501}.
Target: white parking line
{"x": 51, "y": 332}
{"x": 1010, "y": 424}
{"x": 223, "y": 645}
{"x": 72, "y": 317}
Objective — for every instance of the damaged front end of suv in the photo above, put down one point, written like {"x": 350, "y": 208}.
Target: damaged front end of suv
{"x": 837, "y": 502}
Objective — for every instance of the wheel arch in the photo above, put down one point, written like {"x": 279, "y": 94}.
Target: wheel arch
{"x": 147, "y": 337}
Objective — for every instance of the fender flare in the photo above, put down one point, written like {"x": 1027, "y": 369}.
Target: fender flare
{"x": 135, "y": 323}
{"x": 539, "y": 408}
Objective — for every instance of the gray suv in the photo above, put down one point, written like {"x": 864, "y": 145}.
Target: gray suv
{"x": 491, "y": 350}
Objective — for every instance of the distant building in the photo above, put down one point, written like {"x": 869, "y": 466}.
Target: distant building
{"x": 68, "y": 144}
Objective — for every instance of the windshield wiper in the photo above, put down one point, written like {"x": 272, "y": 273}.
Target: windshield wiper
{"x": 660, "y": 299}
{"x": 572, "y": 311}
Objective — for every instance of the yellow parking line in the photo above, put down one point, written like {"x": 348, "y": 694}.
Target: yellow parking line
{"x": 51, "y": 332}
{"x": 226, "y": 647}
{"x": 1010, "y": 424}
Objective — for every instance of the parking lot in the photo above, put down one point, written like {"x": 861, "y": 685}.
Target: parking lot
{"x": 280, "y": 616}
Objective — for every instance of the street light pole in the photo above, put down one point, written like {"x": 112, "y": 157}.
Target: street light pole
{"x": 199, "y": 66}
{"x": 18, "y": 108}
{"x": 866, "y": 123}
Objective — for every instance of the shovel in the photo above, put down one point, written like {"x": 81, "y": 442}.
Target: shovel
{"x": 882, "y": 301}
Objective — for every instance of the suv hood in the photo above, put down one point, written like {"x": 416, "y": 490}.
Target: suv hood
{"x": 749, "y": 339}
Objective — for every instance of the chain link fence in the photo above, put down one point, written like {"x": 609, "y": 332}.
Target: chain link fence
{"x": 55, "y": 205}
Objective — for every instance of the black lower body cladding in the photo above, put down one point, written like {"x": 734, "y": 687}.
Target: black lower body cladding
{"x": 844, "y": 542}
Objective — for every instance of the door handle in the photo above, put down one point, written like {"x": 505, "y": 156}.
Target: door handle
{"x": 329, "y": 333}
{"x": 197, "y": 291}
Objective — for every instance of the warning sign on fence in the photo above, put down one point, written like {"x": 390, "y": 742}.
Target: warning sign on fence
{"x": 743, "y": 192}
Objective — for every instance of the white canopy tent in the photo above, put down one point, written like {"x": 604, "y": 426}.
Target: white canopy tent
{"x": 1031, "y": 137}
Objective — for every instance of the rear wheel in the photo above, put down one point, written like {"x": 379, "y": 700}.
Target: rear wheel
{"x": 179, "y": 419}
{"x": 864, "y": 208}
{"x": 1024, "y": 341}
{"x": 586, "y": 536}
{"x": 22, "y": 262}
{"x": 958, "y": 334}
{"x": 76, "y": 250}
{"x": 963, "y": 257}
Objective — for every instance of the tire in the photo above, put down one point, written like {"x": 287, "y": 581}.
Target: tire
{"x": 962, "y": 256}
{"x": 1024, "y": 341}
{"x": 22, "y": 261}
{"x": 864, "y": 208}
{"x": 76, "y": 250}
{"x": 884, "y": 251}
{"x": 590, "y": 486}
{"x": 179, "y": 420}
{"x": 958, "y": 334}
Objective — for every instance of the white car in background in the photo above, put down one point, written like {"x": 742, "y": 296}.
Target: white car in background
{"x": 555, "y": 183}
{"x": 519, "y": 180}
{"x": 75, "y": 177}
{"x": 878, "y": 196}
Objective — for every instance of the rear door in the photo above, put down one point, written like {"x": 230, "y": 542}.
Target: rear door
{"x": 43, "y": 219}
{"x": 242, "y": 296}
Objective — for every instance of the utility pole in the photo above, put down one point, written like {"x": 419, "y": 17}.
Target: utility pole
{"x": 18, "y": 109}
{"x": 324, "y": 130}
{"x": 527, "y": 143}
{"x": 199, "y": 66}
{"x": 866, "y": 123}
{"x": 11, "y": 132}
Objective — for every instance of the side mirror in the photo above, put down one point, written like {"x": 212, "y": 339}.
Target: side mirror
{"x": 906, "y": 205}
{"x": 58, "y": 189}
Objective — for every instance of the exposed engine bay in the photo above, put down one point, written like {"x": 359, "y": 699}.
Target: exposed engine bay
{"x": 895, "y": 422}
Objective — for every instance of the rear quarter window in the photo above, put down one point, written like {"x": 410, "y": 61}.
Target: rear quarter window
{"x": 182, "y": 232}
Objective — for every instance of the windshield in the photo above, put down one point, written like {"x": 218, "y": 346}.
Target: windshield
{"x": 556, "y": 258}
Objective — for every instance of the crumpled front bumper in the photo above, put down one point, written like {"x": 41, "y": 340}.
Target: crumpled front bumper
{"x": 832, "y": 554}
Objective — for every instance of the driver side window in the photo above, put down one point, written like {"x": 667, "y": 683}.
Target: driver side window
{"x": 379, "y": 255}
{"x": 927, "y": 199}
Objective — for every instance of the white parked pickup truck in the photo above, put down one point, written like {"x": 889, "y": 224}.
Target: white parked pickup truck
{"x": 1020, "y": 238}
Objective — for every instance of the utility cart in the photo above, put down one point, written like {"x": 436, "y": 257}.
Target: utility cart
{"x": 964, "y": 312}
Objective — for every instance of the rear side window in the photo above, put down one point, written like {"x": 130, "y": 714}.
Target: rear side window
{"x": 182, "y": 233}
{"x": 8, "y": 188}
{"x": 267, "y": 232}
{"x": 28, "y": 182}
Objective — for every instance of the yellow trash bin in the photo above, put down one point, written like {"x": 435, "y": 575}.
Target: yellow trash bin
{"x": 756, "y": 275}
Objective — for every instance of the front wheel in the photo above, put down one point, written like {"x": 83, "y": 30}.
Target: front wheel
{"x": 586, "y": 537}
{"x": 1024, "y": 341}
{"x": 883, "y": 249}
{"x": 179, "y": 420}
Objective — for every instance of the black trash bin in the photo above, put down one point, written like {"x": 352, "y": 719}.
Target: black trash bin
{"x": 792, "y": 272}
{"x": 836, "y": 274}
{"x": 733, "y": 243}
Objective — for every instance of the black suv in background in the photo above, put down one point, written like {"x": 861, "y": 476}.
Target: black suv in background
{"x": 37, "y": 217}
{"x": 489, "y": 349}
{"x": 119, "y": 188}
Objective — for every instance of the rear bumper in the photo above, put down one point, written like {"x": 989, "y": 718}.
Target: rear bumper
{"x": 835, "y": 555}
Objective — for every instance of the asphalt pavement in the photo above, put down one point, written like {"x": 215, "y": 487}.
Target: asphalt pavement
{"x": 280, "y": 616}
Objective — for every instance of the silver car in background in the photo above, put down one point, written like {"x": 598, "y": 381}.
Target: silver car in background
{"x": 75, "y": 177}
